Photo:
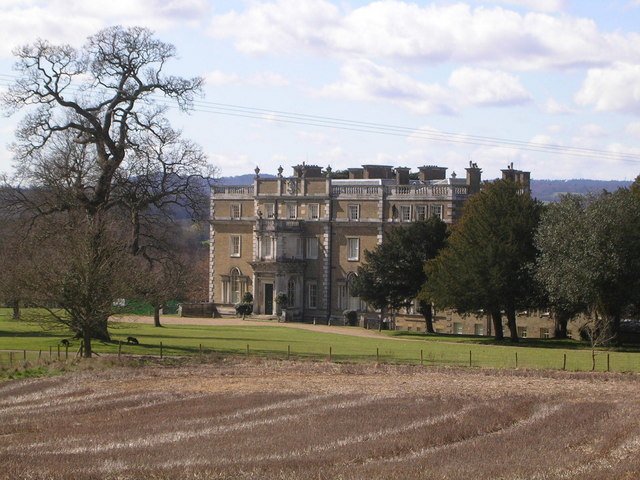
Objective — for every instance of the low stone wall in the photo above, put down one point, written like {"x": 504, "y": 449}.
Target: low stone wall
{"x": 200, "y": 310}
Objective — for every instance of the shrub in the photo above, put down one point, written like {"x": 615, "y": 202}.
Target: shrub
{"x": 350, "y": 318}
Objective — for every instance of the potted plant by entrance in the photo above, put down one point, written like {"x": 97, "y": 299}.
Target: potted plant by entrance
{"x": 281, "y": 301}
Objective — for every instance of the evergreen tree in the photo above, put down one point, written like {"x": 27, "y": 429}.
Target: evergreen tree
{"x": 393, "y": 272}
{"x": 487, "y": 262}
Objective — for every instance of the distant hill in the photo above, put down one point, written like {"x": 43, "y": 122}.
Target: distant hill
{"x": 550, "y": 190}
{"x": 543, "y": 190}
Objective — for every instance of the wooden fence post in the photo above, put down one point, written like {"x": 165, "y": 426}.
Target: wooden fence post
{"x": 330, "y": 353}
{"x": 516, "y": 359}
{"x": 160, "y": 349}
{"x": 421, "y": 358}
{"x": 608, "y": 364}
{"x": 247, "y": 349}
{"x": 470, "y": 363}
{"x": 377, "y": 355}
{"x": 288, "y": 352}
{"x": 564, "y": 361}
{"x": 66, "y": 352}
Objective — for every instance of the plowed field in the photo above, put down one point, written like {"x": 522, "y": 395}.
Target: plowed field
{"x": 287, "y": 420}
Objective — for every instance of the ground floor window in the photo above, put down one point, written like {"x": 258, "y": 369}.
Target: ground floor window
{"x": 234, "y": 286}
{"x": 312, "y": 295}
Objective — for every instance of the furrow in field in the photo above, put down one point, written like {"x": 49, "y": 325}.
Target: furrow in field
{"x": 181, "y": 435}
{"x": 542, "y": 413}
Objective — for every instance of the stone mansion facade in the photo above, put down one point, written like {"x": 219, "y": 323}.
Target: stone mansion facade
{"x": 304, "y": 235}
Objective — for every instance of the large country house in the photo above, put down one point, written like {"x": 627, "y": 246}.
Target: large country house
{"x": 304, "y": 235}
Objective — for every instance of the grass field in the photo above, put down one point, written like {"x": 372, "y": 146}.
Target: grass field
{"x": 276, "y": 420}
{"x": 34, "y": 342}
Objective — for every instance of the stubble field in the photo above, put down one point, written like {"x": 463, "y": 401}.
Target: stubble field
{"x": 288, "y": 420}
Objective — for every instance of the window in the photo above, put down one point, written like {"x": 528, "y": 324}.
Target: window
{"x": 478, "y": 329}
{"x": 270, "y": 210}
{"x": 312, "y": 295}
{"x": 457, "y": 328}
{"x": 421, "y": 212}
{"x": 291, "y": 293}
{"x": 292, "y": 211}
{"x": 522, "y": 332}
{"x": 545, "y": 333}
{"x": 342, "y": 297}
{"x": 353, "y": 211}
{"x": 233, "y": 286}
{"x": 299, "y": 247}
{"x": 314, "y": 211}
{"x": 236, "y": 210}
{"x": 353, "y": 249}
{"x": 405, "y": 213}
{"x": 236, "y": 245}
{"x": 267, "y": 247}
{"x": 436, "y": 211}
{"x": 312, "y": 248}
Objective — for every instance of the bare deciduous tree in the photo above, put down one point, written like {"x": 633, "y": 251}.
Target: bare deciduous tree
{"x": 95, "y": 143}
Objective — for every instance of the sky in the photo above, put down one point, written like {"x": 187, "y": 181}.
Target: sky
{"x": 552, "y": 86}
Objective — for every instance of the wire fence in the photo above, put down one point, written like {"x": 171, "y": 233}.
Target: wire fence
{"x": 491, "y": 357}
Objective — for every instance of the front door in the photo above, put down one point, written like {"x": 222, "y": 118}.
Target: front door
{"x": 268, "y": 298}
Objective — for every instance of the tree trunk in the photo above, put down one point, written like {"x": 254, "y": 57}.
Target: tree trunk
{"x": 496, "y": 317}
{"x": 511, "y": 322}
{"x": 560, "y": 328}
{"x": 101, "y": 331}
{"x": 86, "y": 341}
{"x": 156, "y": 315}
{"x": 16, "y": 309}
{"x": 615, "y": 330}
{"x": 427, "y": 313}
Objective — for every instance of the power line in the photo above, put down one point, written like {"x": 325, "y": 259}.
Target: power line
{"x": 281, "y": 116}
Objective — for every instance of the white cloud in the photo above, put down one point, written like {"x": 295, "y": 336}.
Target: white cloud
{"x": 485, "y": 87}
{"x": 267, "y": 79}
{"x": 633, "y": 129}
{"x": 316, "y": 137}
{"x": 591, "y": 131}
{"x": 554, "y": 107}
{"x": 434, "y": 33}
{"x": 612, "y": 89}
{"x": 258, "y": 79}
{"x": 218, "y": 77}
{"x": 229, "y": 164}
{"x": 71, "y": 21}
{"x": 363, "y": 80}
{"x": 537, "y": 5}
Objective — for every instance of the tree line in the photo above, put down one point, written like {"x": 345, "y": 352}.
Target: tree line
{"x": 509, "y": 252}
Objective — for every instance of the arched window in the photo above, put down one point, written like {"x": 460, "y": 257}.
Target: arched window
{"x": 235, "y": 288}
{"x": 291, "y": 292}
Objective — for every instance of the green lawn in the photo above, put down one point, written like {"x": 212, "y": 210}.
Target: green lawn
{"x": 276, "y": 341}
